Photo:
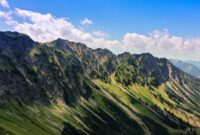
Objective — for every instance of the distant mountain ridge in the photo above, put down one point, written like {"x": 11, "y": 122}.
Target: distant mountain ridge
{"x": 196, "y": 63}
{"x": 64, "y": 87}
{"x": 187, "y": 67}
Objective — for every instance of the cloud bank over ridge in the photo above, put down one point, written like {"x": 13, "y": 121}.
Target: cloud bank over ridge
{"x": 47, "y": 27}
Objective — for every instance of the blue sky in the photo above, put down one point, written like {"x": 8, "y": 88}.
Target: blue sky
{"x": 128, "y": 24}
{"x": 181, "y": 17}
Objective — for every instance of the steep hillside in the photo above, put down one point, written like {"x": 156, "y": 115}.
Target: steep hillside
{"x": 63, "y": 87}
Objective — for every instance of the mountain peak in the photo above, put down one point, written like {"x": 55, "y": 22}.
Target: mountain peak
{"x": 12, "y": 34}
{"x": 15, "y": 42}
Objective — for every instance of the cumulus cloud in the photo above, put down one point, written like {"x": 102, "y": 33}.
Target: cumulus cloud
{"x": 86, "y": 22}
{"x": 162, "y": 43}
{"x": 46, "y": 27}
{"x": 6, "y": 15}
{"x": 99, "y": 33}
{"x": 4, "y": 3}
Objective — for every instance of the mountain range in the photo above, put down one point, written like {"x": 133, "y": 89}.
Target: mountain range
{"x": 189, "y": 67}
{"x": 65, "y": 88}
{"x": 195, "y": 63}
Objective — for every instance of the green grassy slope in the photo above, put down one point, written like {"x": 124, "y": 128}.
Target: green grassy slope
{"x": 110, "y": 110}
{"x": 142, "y": 111}
{"x": 99, "y": 115}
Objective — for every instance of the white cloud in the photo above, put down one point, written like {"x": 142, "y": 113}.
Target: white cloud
{"x": 4, "y": 3}
{"x": 46, "y": 27}
{"x": 6, "y": 15}
{"x": 99, "y": 33}
{"x": 162, "y": 43}
{"x": 86, "y": 22}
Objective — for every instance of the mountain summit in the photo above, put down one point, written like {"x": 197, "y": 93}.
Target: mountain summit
{"x": 63, "y": 87}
